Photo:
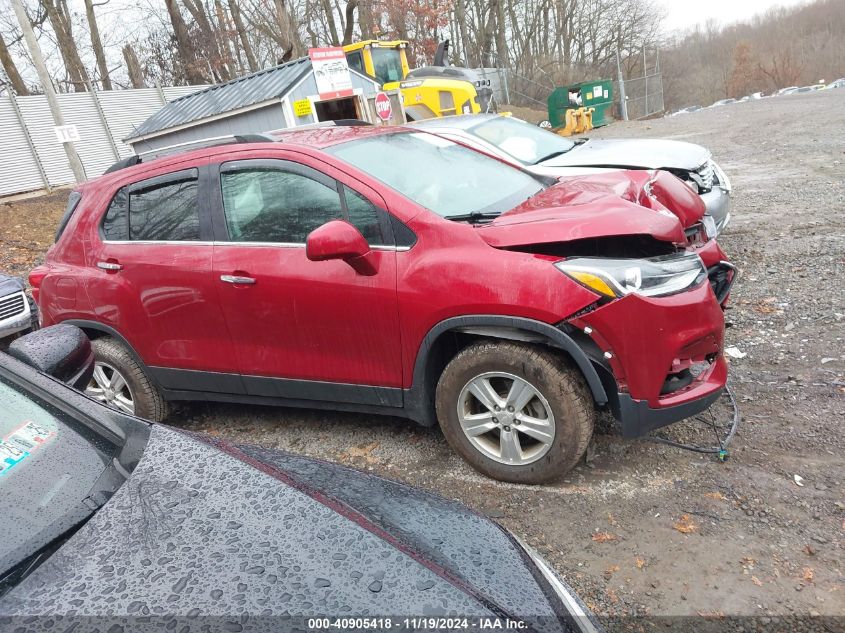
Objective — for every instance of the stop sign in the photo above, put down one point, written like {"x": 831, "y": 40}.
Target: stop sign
{"x": 384, "y": 109}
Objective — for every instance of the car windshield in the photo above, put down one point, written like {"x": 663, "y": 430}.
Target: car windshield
{"x": 447, "y": 178}
{"x": 526, "y": 143}
{"x": 49, "y": 465}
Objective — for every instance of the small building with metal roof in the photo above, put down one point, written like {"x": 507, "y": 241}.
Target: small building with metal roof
{"x": 275, "y": 98}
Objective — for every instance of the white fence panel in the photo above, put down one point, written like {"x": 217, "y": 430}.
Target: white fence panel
{"x": 123, "y": 111}
{"x": 18, "y": 169}
{"x": 94, "y": 147}
{"x": 39, "y": 121}
{"x": 124, "y": 115}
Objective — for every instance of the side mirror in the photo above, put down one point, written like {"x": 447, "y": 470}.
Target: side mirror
{"x": 339, "y": 240}
{"x": 62, "y": 351}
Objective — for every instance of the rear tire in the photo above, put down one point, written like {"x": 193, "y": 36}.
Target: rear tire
{"x": 119, "y": 379}
{"x": 536, "y": 397}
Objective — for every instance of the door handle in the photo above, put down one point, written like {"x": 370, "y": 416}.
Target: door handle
{"x": 109, "y": 266}
{"x": 236, "y": 279}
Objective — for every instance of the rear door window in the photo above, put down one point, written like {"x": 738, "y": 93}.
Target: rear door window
{"x": 160, "y": 209}
{"x": 167, "y": 211}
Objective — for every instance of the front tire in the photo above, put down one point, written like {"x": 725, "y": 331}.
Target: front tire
{"x": 515, "y": 412}
{"x": 121, "y": 383}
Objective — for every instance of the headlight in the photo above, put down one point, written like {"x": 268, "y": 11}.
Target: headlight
{"x": 721, "y": 176}
{"x": 654, "y": 277}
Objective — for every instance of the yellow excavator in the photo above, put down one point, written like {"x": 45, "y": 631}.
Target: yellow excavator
{"x": 429, "y": 91}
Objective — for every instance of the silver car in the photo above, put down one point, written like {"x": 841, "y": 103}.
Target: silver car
{"x": 549, "y": 154}
{"x": 17, "y": 312}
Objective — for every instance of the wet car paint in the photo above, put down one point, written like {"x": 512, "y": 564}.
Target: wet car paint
{"x": 205, "y": 529}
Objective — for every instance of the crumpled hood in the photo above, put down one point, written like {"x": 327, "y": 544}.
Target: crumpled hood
{"x": 205, "y": 528}
{"x": 633, "y": 153}
{"x": 581, "y": 208}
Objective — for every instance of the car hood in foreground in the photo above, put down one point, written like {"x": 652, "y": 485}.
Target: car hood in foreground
{"x": 576, "y": 209}
{"x": 204, "y": 529}
{"x": 633, "y": 153}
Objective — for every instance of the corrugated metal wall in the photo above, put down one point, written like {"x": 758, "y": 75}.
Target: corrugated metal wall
{"x": 122, "y": 109}
{"x": 18, "y": 169}
{"x": 256, "y": 121}
{"x": 270, "y": 117}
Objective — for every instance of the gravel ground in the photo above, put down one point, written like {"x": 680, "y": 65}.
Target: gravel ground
{"x": 645, "y": 529}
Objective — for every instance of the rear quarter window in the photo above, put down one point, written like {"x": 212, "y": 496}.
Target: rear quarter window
{"x": 72, "y": 202}
{"x": 115, "y": 223}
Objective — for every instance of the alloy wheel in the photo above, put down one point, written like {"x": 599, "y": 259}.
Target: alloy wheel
{"x": 109, "y": 386}
{"x": 506, "y": 418}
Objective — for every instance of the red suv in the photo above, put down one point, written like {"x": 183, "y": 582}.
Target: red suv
{"x": 388, "y": 271}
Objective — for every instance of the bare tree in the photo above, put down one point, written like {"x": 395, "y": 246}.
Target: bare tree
{"x": 184, "y": 46}
{"x": 243, "y": 37}
{"x": 133, "y": 67}
{"x": 11, "y": 70}
{"x": 59, "y": 18}
{"x": 349, "y": 27}
{"x": 97, "y": 44}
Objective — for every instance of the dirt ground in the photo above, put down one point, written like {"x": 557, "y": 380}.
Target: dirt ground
{"x": 644, "y": 529}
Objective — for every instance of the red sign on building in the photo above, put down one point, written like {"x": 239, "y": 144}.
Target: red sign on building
{"x": 331, "y": 72}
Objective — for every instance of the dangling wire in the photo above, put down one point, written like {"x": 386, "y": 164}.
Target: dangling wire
{"x": 708, "y": 418}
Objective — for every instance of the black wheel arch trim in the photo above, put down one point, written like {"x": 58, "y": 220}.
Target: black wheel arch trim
{"x": 110, "y": 331}
{"x": 418, "y": 399}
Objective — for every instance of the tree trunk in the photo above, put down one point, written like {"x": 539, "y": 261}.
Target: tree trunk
{"x": 332, "y": 26}
{"x": 58, "y": 18}
{"x": 350, "y": 21}
{"x": 501, "y": 35}
{"x": 288, "y": 34}
{"x": 223, "y": 32}
{"x": 187, "y": 55}
{"x": 235, "y": 9}
{"x": 133, "y": 68}
{"x": 11, "y": 70}
{"x": 365, "y": 19}
{"x": 97, "y": 45}
{"x": 213, "y": 57}
{"x": 460, "y": 15}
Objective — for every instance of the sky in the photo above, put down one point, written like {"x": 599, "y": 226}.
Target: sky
{"x": 683, "y": 14}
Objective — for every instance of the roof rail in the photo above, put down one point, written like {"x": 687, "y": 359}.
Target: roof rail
{"x": 190, "y": 145}
{"x": 321, "y": 124}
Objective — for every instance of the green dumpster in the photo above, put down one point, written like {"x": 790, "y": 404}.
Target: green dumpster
{"x": 590, "y": 94}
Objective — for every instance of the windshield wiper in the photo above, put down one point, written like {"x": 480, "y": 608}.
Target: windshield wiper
{"x": 552, "y": 155}
{"x": 475, "y": 217}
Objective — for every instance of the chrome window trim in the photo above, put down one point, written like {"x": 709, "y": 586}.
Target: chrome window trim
{"x": 395, "y": 249}
{"x": 169, "y": 242}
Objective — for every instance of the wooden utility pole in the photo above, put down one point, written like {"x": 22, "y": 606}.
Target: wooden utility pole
{"x": 47, "y": 86}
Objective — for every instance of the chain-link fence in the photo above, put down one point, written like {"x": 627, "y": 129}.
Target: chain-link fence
{"x": 643, "y": 95}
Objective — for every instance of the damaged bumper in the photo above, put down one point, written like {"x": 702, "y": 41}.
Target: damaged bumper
{"x": 660, "y": 359}
{"x": 721, "y": 273}
{"x": 717, "y": 201}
